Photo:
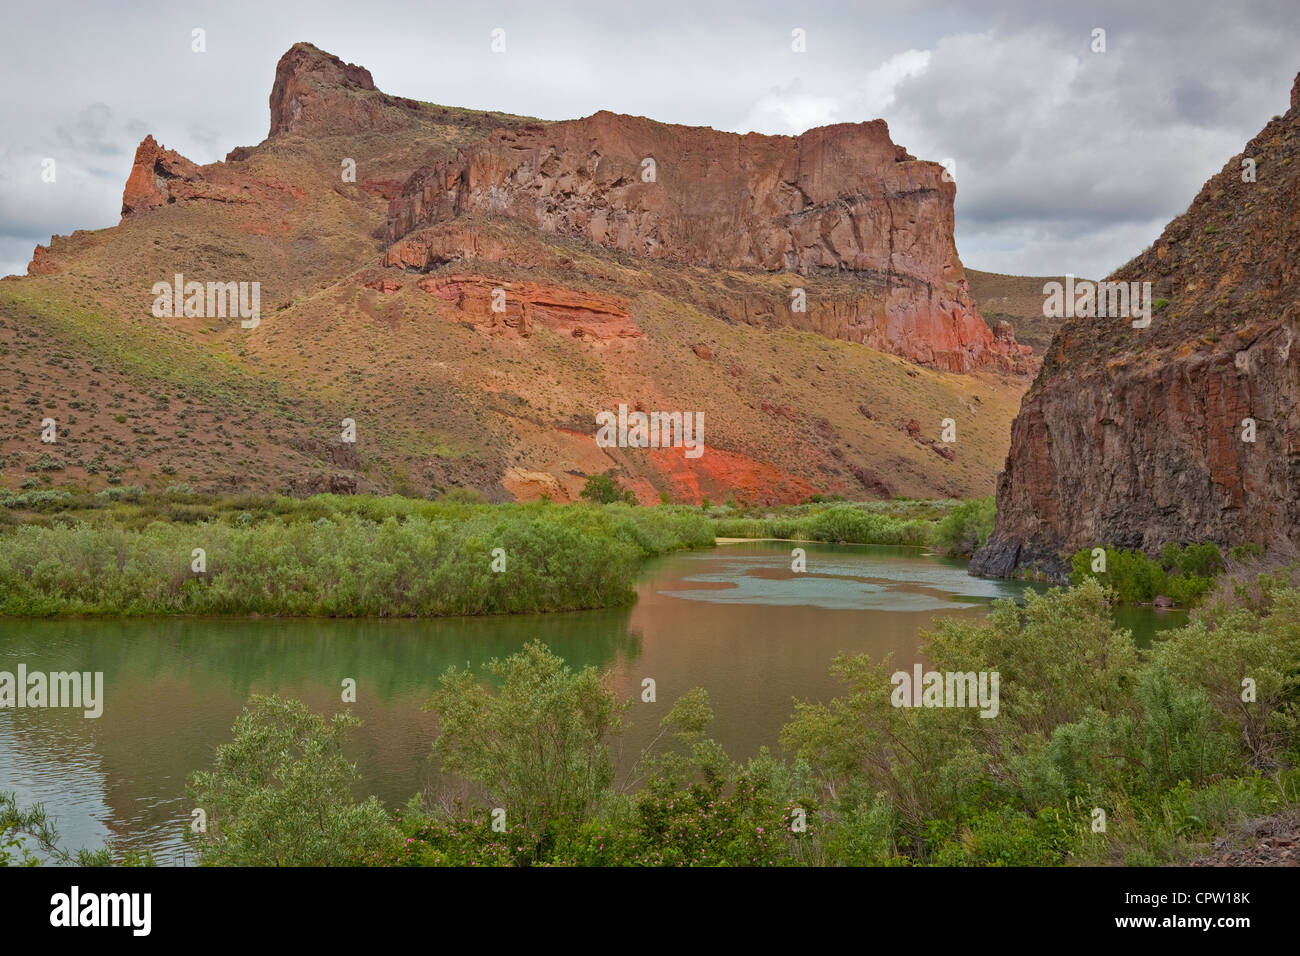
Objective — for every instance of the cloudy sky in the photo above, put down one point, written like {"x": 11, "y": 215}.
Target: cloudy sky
{"x": 1066, "y": 159}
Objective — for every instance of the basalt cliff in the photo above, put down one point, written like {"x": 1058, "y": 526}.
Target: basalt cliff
{"x": 837, "y": 201}
{"x": 472, "y": 288}
{"x": 1187, "y": 430}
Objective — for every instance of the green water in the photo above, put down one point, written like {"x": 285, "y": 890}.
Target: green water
{"x": 734, "y": 620}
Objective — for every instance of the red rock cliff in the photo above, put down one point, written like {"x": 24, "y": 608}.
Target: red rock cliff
{"x": 838, "y": 200}
{"x": 1135, "y": 437}
{"x": 314, "y": 87}
{"x": 152, "y": 173}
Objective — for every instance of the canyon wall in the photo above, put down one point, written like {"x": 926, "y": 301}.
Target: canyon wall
{"x": 1141, "y": 437}
{"x": 839, "y": 200}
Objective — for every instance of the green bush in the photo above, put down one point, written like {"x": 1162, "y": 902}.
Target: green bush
{"x": 1203, "y": 560}
{"x": 463, "y": 496}
{"x": 466, "y": 839}
{"x": 1184, "y": 575}
{"x": 373, "y": 557}
{"x": 850, "y": 524}
{"x": 130, "y": 493}
{"x": 862, "y": 833}
{"x": 604, "y": 490}
{"x": 1082, "y": 723}
{"x": 539, "y": 744}
{"x": 44, "y": 500}
{"x": 966, "y": 527}
{"x": 1004, "y": 836}
{"x": 1240, "y": 653}
{"x": 280, "y": 793}
{"x": 1244, "y": 552}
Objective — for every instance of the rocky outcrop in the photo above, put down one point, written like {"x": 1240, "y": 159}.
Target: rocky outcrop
{"x": 317, "y": 94}
{"x": 526, "y": 305}
{"x": 906, "y": 319}
{"x": 453, "y": 242}
{"x": 42, "y": 264}
{"x": 854, "y": 309}
{"x": 1188, "y": 430}
{"x": 315, "y": 88}
{"x": 153, "y": 174}
{"x": 161, "y": 176}
{"x": 643, "y": 311}
{"x": 837, "y": 201}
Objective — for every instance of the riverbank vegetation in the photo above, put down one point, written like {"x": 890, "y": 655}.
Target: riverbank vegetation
{"x": 1098, "y": 753}
{"x": 124, "y": 551}
{"x": 953, "y": 527}
{"x": 334, "y": 556}
{"x": 1184, "y": 575}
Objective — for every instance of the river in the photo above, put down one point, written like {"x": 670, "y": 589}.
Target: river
{"x": 735, "y": 620}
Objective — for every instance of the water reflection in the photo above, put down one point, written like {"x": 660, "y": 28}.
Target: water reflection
{"x": 735, "y": 620}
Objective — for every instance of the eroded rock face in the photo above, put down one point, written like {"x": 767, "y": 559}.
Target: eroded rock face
{"x": 1136, "y": 437}
{"x": 452, "y": 242}
{"x": 162, "y": 176}
{"x": 1151, "y": 453}
{"x": 903, "y": 317}
{"x": 42, "y": 264}
{"x": 153, "y": 174}
{"x": 839, "y": 200}
{"x": 527, "y": 305}
{"x": 811, "y": 213}
{"x": 313, "y": 87}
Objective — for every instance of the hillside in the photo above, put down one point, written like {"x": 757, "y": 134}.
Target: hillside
{"x": 376, "y": 305}
{"x": 1018, "y": 300}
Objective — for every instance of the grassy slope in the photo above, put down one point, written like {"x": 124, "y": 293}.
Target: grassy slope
{"x": 1018, "y": 300}
{"x": 439, "y": 403}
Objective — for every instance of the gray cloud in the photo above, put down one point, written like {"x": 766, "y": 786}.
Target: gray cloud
{"x": 90, "y": 132}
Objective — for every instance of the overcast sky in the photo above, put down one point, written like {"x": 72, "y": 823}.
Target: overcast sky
{"x": 1066, "y": 160}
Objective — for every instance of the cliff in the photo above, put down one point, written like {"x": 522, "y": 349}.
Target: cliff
{"x": 1139, "y": 437}
{"x": 839, "y": 200}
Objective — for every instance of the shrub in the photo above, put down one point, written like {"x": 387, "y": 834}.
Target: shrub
{"x": 280, "y": 793}
{"x": 371, "y": 558}
{"x": 463, "y": 496}
{"x": 964, "y": 529}
{"x": 604, "y": 490}
{"x": 1245, "y": 552}
{"x": 1182, "y": 574}
{"x": 1005, "y": 836}
{"x": 1221, "y": 652}
{"x": 131, "y": 493}
{"x": 539, "y": 745}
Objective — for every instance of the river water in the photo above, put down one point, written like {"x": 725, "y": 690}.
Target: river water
{"x": 735, "y": 620}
